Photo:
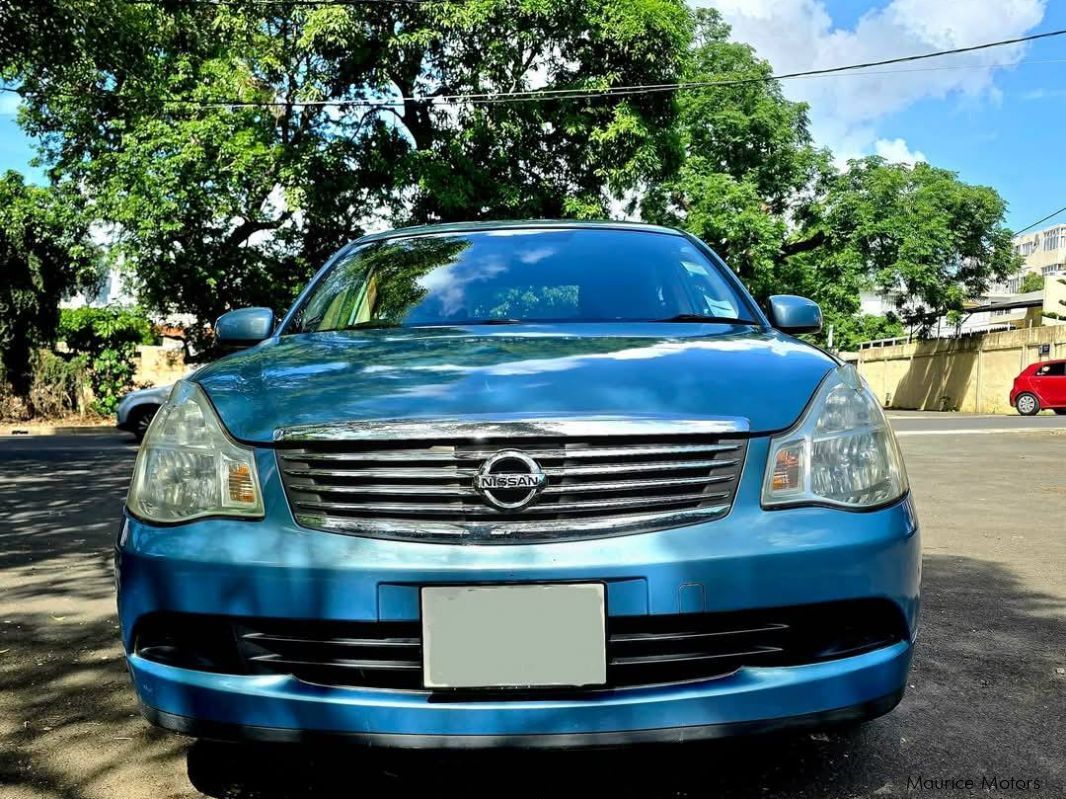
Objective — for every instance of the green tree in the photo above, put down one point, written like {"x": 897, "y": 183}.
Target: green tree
{"x": 916, "y": 234}
{"x": 107, "y": 338}
{"x": 45, "y": 253}
{"x": 1031, "y": 281}
{"x": 754, "y": 186}
{"x": 749, "y": 170}
{"x": 214, "y": 206}
{"x": 849, "y": 331}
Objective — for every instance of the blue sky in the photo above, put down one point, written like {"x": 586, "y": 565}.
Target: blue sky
{"x": 996, "y": 117}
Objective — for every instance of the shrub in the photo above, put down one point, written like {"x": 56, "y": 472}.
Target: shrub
{"x": 12, "y": 407}
{"x": 107, "y": 337}
{"x": 58, "y": 384}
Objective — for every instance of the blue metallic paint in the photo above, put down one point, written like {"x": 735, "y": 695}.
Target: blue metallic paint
{"x": 793, "y": 314}
{"x": 244, "y": 326}
{"x": 750, "y": 694}
{"x": 685, "y": 371}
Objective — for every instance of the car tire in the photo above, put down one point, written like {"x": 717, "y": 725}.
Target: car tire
{"x": 140, "y": 419}
{"x": 1027, "y": 404}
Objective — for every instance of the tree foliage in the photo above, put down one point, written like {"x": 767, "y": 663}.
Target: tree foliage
{"x": 213, "y": 204}
{"x": 45, "y": 253}
{"x": 1031, "y": 281}
{"x": 106, "y": 338}
{"x": 219, "y": 206}
{"x": 916, "y": 234}
{"x": 749, "y": 164}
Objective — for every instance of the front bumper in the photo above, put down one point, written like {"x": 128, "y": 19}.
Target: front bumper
{"x": 231, "y": 731}
{"x": 750, "y": 559}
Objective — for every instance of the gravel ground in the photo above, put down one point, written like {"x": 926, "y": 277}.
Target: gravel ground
{"x": 987, "y": 700}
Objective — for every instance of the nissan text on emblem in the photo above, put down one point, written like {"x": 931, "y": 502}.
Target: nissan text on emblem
{"x": 510, "y": 480}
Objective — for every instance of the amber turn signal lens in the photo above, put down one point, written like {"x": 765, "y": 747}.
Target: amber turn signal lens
{"x": 787, "y": 472}
{"x": 240, "y": 483}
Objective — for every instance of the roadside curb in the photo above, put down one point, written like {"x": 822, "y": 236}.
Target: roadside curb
{"x": 30, "y": 430}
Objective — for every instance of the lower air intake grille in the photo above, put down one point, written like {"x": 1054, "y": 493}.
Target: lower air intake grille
{"x": 592, "y": 481}
{"x": 641, "y": 650}
{"x": 367, "y": 654}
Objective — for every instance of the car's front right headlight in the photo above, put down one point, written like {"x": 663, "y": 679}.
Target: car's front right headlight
{"x": 841, "y": 453}
{"x": 188, "y": 467}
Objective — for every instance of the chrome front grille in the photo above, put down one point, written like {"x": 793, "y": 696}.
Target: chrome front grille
{"x": 600, "y": 478}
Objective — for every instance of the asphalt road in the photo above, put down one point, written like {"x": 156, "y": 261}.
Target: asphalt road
{"x": 987, "y": 696}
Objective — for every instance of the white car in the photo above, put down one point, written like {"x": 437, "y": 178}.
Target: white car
{"x": 137, "y": 408}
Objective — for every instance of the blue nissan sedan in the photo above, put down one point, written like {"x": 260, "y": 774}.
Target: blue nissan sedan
{"x": 519, "y": 484}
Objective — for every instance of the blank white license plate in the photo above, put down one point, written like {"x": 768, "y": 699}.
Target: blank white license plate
{"x": 512, "y": 636}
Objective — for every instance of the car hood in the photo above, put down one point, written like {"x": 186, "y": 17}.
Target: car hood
{"x": 685, "y": 371}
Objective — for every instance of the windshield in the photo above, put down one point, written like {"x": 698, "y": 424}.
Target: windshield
{"x": 516, "y": 276}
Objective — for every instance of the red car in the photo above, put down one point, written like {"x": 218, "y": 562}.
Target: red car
{"x": 1040, "y": 385}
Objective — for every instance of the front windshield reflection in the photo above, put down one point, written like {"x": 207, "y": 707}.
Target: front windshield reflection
{"x": 551, "y": 275}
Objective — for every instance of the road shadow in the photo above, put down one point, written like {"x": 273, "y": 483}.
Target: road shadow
{"x": 69, "y": 725}
{"x": 985, "y": 699}
{"x": 60, "y": 501}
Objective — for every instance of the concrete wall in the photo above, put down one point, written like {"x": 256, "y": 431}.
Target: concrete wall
{"x": 971, "y": 374}
{"x": 157, "y": 366}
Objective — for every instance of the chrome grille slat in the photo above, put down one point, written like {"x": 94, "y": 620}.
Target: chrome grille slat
{"x": 600, "y": 478}
{"x": 448, "y": 454}
{"x": 623, "y": 468}
{"x": 485, "y": 511}
{"x": 419, "y": 473}
{"x": 636, "y": 485}
{"x": 417, "y": 490}
{"x": 465, "y": 491}
{"x": 386, "y": 474}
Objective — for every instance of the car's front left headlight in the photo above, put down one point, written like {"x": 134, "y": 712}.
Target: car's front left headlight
{"x": 188, "y": 467}
{"x": 842, "y": 452}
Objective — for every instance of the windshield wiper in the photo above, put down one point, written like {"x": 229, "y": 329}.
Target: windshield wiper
{"x": 471, "y": 323}
{"x": 699, "y": 317}
{"x": 373, "y": 324}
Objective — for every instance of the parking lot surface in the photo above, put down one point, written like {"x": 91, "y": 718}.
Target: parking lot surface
{"x": 987, "y": 699}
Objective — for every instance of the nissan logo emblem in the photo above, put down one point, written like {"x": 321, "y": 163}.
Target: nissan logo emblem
{"x": 510, "y": 480}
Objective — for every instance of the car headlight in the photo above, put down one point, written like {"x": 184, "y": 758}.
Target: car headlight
{"x": 841, "y": 453}
{"x": 188, "y": 467}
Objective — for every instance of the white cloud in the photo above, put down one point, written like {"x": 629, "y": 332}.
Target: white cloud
{"x": 896, "y": 151}
{"x": 798, "y": 35}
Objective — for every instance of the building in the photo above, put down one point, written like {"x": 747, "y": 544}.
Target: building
{"x": 1043, "y": 253}
{"x": 111, "y": 290}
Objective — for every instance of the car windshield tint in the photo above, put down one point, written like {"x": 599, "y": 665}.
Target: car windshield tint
{"x": 523, "y": 275}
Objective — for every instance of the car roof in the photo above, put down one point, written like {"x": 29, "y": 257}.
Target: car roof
{"x": 523, "y": 224}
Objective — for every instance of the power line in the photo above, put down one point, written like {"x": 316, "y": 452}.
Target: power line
{"x": 650, "y": 87}
{"x": 1037, "y": 222}
{"x": 567, "y": 94}
{"x": 637, "y": 88}
{"x": 576, "y": 93}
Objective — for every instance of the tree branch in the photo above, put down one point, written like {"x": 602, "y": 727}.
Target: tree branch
{"x": 250, "y": 226}
{"x": 806, "y": 245}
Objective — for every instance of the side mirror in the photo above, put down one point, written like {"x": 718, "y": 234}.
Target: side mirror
{"x": 792, "y": 314}
{"x": 244, "y": 327}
